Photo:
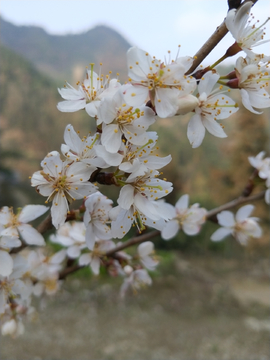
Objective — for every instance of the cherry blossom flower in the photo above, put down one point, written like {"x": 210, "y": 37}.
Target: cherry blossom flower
{"x": 62, "y": 183}
{"x": 94, "y": 258}
{"x": 136, "y": 279}
{"x": 242, "y": 227}
{"x": 89, "y": 93}
{"x": 137, "y": 203}
{"x": 77, "y": 149}
{"x": 253, "y": 80}
{"x": 189, "y": 219}
{"x": 213, "y": 106}
{"x": 96, "y": 218}
{"x": 14, "y": 285}
{"x": 118, "y": 119}
{"x": 261, "y": 164}
{"x": 137, "y": 160}
{"x": 44, "y": 271}
{"x": 162, "y": 83}
{"x": 12, "y": 225}
{"x": 72, "y": 236}
{"x": 6, "y": 261}
{"x": 13, "y": 328}
{"x": 146, "y": 255}
{"x": 247, "y": 36}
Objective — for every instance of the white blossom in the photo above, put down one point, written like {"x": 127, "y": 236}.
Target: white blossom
{"x": 253, "y": 81}
{"x": 138, "y": 160}
{"x": 62, "y": 183}
{"x": 146, "y": 255}
{"x": 247, "y": 36}
{"x": 136, "y": 280}
{"x": 242, "y": 227}
{"x": 261, "y": 164}
{"x": 94, "y": 258}
{"x": 213, "y": 106}
{"x": 189, "y": 219}
{"x": 12, "y": 327}
{"x": 96, "y": 218}
{"x": 77, "y": 149}
{"x": 162, "y": 83}
{"x": 89, "y": 93}
{"x": 12, "y": 225}
{"x": 118, "y": 118}
{"x": 72, "y": 236}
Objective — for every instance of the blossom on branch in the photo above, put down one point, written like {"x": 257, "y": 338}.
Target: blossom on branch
{"x": 94, "y": 258}
{"x": 247, "y": 36}
{"x": 242, "y": 227}
{"x": 72, "y": 236}
{"x": 89, "y": 93}
{"x": 120, "y": 119}
{"x": 213, "y": 106}
{"x": 15, "y": 225}
{"x": 135, "y": 280}
{"x": 189, "y": 219}
{"x": 162, "y": 83}
{"x": 253, "y": 81}
{"x": 77, "y": 149}
{"x": 146, "y": 255}
{"x": 62, "y": 183}
{"x": 96, "y": 218}
{"x": 138, "y": 160}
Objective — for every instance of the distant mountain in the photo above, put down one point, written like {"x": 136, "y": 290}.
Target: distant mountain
{"x": 65, "y": 57}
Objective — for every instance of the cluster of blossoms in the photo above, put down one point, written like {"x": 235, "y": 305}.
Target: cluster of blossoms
{"x": 263, "y": 167}
{"x": 123, "y": 144}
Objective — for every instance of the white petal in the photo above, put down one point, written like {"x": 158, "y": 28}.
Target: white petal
{"x": 85, "y": 259}
{"x": 226, "y": 218}
{"x": 126, "y": 197}
{"x": 145, "y": 248}
{"x": 71, "y": 106}
{"x": 6, "y": 263}
{"x": 195, "y": 131}
{"x": 182, "y": 203}
{"x": 95, "y": 265}
{"x": 244, "y": 212}
{"x": 220, "y": 233}
{"x": 170, "y": 230}
{"x": 246, "y": 101}
{"x": 207, "y": 82}
{"x": 214, "y": 127}
{"x": 31, "y": 212}
{"x": 30, "y": 235}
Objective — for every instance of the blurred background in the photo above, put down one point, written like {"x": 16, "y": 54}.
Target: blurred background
{"x": 214, "y": 295}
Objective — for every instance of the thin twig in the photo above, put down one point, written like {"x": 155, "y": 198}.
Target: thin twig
{"x": 239, "y": 201}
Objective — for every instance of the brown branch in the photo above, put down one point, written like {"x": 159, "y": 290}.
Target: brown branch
{"x": 133, "y": 241}
{"x": 45, "y": 225}
{"x": 211, "y": 43}
{"x": 69, "y": 270}
{"x": 239, "y": 201}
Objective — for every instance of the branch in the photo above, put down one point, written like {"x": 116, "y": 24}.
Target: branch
{"x": 211, "y": 43}
{"x": 241, "y": 200}
{"x": 135, "y": 240}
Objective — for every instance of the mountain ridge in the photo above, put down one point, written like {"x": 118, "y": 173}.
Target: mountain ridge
{"x": 66, "y": 56}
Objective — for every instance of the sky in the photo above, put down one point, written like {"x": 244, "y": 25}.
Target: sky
{"x": 153, "y": 25}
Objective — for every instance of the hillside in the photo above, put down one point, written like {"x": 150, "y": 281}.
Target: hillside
{"x": 65, "y": 57}
{"x": 31, "y": 125}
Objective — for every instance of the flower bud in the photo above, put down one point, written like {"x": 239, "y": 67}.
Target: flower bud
{"x": 186, "y": 104}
